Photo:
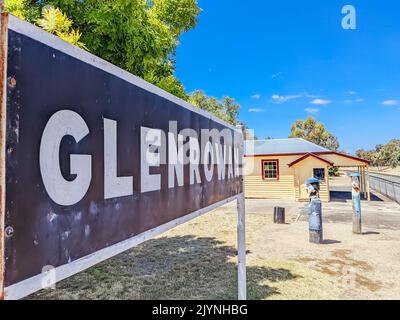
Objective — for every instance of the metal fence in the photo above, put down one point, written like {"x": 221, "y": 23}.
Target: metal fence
{"x": 387, "y": 185}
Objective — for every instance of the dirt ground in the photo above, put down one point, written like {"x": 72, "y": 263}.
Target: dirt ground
{"x": 198, "y": 260}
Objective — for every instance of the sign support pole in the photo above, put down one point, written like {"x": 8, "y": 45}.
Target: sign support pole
{"x": 241, "y": 229}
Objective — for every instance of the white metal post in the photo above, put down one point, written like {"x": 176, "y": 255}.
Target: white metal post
{"x": 241, "y": 229}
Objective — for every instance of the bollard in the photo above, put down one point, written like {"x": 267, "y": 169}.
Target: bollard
{"x": 356, "y": 198}
{"x": 314, "y": 211}
{"x": 279, "y": 215}
{"x": 315, "y": 219}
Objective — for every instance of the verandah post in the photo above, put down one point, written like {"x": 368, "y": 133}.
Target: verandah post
{"x": 241, "y": 229}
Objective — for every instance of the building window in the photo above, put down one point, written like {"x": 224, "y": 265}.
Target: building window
{"x": 319, "y": 173}
{"x": 270, "y": 169}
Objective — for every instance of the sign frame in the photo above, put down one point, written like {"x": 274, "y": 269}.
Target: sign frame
{"x": 35, "y": 283}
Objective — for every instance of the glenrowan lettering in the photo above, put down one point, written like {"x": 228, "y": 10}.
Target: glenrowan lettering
{"x": 213, "y": 155}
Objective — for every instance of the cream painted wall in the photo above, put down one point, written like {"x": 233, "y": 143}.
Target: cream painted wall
{"x": 289, "y": 185}
{"x": 303, "y": 171}
{"x": 257, "y": 187}
{"x": 342, "y": 161}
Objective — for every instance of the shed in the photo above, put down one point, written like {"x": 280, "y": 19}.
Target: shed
{"x": 278, "y": 168}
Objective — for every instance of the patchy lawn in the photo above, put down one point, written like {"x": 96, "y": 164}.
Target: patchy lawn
{"x": 198, "y": 261}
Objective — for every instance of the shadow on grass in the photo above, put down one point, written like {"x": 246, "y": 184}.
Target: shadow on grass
{"x": 181, "y": 267}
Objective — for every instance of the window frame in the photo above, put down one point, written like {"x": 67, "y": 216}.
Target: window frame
{"x": 319, "y": 168}
{"x": 277, "y": 169}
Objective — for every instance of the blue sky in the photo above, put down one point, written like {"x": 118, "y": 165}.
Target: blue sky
{"x": 284, "y": 60}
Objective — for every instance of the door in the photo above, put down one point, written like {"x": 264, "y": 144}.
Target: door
{"x": 303, "y": 173}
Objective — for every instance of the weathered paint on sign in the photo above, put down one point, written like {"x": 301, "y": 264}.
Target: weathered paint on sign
{"x": 98, "y": 160}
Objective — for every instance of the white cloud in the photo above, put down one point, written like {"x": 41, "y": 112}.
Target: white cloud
{"x": 321, "y": 102}
{"x": 256, "y": 96}
{"x": 359, "y": 100}
{"x": 312, "y": 110}
{"x": 391, "y": 102}
{"x": 352, "y": 93}
{"x": 276, "y": 75}
{"x": 256, "y": 110}
{"x": 282, "y": 99}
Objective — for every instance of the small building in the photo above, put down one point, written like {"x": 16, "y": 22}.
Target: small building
{"x": 278, "y": 168}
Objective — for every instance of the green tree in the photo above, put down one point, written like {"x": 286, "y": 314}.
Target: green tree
{"x": 226, "y": 109}
{"x": 389, "y": 154}
{"x": 247, "y": 134}
{"x": 315, "y": 132}
{"x": 54, "y": 21}
{"x": 51, "y": 19}
{"x": 23, "y": 9}
{"x": 384, "y": 155}
{"x": 369, "y": 155}
{"x": 139, "y": 36}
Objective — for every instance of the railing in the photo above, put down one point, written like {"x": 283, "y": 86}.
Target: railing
{"x": 387, "y": 185}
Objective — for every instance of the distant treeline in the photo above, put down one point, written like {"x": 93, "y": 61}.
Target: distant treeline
{"x": 384, "y": 155}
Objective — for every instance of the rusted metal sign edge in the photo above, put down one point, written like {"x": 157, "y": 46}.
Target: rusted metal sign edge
{"x": 31, "y": 285}
{"x": 55, "y": 42}
{"x": 3, "y": 101}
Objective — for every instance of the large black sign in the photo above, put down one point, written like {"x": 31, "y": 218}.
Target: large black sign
{"x": 96, "y": 156}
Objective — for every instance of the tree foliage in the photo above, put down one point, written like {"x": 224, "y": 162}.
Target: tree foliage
{"x": 315, "y": 132}
{"x": 51, "y": 19}
{"x": 226, "y": 109}
{"x": 54, "y": 21}
{"x": 23, "y": 9}
{"x": 140, "y": 36}
{"x": 384, "y": 155}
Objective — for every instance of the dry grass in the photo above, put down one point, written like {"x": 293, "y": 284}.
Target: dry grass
{"x": 198, "y": 259}
{"x": 195, "y": 261}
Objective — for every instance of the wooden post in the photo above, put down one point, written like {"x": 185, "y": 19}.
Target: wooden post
{"x": 356, "y": 197}
{"x": 364, "y": 194}
{"x": 365, "y": 183}
{"x": 328, "y": 184}
{"x": 241, "y": 230}
{"x": 368, "y": 186}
